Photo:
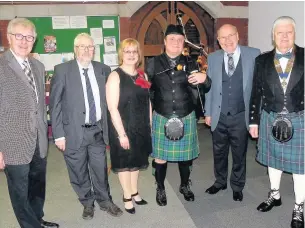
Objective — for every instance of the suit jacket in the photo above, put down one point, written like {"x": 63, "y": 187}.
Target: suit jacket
{"x": 214, "y": 96}
{"x": 267, "y": 92}
{"x": 67, "y": 104}
{"x": 23, "y": 121}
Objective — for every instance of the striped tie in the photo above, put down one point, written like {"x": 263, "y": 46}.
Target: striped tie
{"x": 92, "y": 110}
{"x": 29, "y": 74}
{"x": 231, "y": 67}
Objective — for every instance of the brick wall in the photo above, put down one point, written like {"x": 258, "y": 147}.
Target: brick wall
{"x": 124, "y": 27}
{"x": 235, "y": 3}
{"x": 3, "y": 27}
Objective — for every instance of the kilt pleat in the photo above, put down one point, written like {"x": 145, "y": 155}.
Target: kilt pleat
{"x": 184, "y": 149}
{"x": 287, "y": 156}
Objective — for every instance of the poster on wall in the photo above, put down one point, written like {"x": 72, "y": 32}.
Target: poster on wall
{"x": 50, "y": 44}
{"x": 77, "y": 22}
{"x": 97, "y": 35}
{"x": 110, "y": 44}
{"x": 60, "y": 22}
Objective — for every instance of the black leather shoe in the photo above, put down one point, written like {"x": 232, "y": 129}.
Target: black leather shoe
{"x": 269, "y": 203}
{"x": 298, "y": 217}
{"x": 111, "y": 209}
{"x": 88, "y": 212}
{"x": 213, "y": 189}
{"x": 161, "y": 197}
{"x": 238, "y": 196}
{"x": 141, "y": 202}
{"x": 187, "y": 192}
{"x": 45, "y": 224}
{"x": 131, "y": 210}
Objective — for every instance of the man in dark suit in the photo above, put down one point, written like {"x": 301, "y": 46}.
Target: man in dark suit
{"x": 278, "y": 97}
{"x": 23, "y": 125}
{"x": 79, "y": 123}
{"x": 227, "y": 108}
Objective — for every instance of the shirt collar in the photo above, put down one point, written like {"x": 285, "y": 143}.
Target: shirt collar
{"x": 277, "y": 51}
{"x": 19, "y": 59}
{"x": 235, "y": 53}
{"x": 90, "y": 66}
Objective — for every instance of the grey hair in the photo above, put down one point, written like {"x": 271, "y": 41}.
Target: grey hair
{"x": 283, "y": 20}
{"x": 81, "y": 35}
{"x": 23, "y": 22}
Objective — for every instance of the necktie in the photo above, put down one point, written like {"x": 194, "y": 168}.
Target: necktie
{"x": 91, "y": 102}
{"x": 288, "y": 55}
{"x": 231, "y": 67}
{"x": 29, "y": 74}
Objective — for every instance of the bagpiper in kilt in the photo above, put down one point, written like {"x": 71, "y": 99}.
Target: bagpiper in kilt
{"x": 174, "y": 127}
{"x": 277, "y": 106}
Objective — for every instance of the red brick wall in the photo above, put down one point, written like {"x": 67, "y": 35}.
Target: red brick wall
{"x": 3, "y": 27}
{"x": 124, "y": 27}
{"x": 241, "y": 25}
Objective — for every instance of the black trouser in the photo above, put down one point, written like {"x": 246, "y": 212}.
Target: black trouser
{"x": 231, "y": 132}
{"x": 27, "y": 185}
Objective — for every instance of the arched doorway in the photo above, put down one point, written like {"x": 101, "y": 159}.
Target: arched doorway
{"x": 150, "y": 21}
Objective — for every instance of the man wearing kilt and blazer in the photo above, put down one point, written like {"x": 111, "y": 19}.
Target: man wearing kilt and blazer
{"x": 172, "y": 100}
{"x": 277, "y": 107}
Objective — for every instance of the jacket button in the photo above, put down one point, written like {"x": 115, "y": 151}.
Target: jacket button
{"x": 84, "y": 112}
{"x": 173, "y": 90}
{"x": 302, "y": 102}
{"x": 220, "y": 93}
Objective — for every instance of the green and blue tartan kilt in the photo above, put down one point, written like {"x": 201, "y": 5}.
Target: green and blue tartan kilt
{"x": 184, "y": 149}
{"x": 287, "y": 156}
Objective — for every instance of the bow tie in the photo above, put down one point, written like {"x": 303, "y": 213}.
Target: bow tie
{"x": 287, "y": 55}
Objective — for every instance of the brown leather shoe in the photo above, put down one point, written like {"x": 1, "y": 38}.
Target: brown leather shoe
{"x": 88, "y": 212}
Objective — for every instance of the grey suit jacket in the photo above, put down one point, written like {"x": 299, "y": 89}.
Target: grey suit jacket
{"x": 67, "y": 104}
{"x": 22, "y": 119}
{"x": 214, "y": 96}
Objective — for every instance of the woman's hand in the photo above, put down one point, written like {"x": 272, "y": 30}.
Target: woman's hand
{"x": 124, "y": 141}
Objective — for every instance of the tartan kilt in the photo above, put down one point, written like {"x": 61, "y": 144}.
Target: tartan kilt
{"x": 184, "y": 149}
{"x": 287, "y": 156}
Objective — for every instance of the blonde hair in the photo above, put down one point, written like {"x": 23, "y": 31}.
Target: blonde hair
{"x": 130, "y": 42}
{"x": 23, "y": 22}
{"x": 82, "y": 35}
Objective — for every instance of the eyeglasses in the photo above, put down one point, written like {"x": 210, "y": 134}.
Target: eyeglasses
{"x": 83, "y": 47}
{"x": 284, "y": 34}
{"x": 19, "y": 36}
{"x": 225, "y": 38}
{"x": 130, "y": 52}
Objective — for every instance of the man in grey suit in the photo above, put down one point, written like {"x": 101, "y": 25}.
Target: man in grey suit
{"x": 79, "y": 123}
{"x": 227, "y": 108}
{"x": 23, "y": 125}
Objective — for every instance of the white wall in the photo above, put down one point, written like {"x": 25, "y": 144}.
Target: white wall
{"x": 262, "y": 15}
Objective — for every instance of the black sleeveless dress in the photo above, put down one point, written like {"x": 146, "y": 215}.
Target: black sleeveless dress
{"x": 134, "y": 110}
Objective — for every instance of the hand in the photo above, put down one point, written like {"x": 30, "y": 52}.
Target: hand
{"x": 2, "y": 165}
{"x": 208, "y": 120}
{"x": 61, "y": 144}
{"x": 124, "y": 141}
{"x": 197, "y": 78}
{"x": 254, "y": 131}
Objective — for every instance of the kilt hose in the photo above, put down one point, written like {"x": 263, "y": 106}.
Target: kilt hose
{"x": 184, "y": 149}
{"x": 287, "y": 156}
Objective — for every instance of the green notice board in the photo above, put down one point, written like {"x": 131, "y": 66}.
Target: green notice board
{"x": 65, "y": 37}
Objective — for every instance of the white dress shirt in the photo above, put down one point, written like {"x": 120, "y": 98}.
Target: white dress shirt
{"x": 236, "y": 56}
{"x": 20, "y": 61}
{"x": 95, "y": 91}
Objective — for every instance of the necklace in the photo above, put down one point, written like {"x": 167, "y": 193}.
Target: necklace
{"x": 133, "y": 78}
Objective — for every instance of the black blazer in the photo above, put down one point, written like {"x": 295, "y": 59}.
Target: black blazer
{"x": 267, "y": 92}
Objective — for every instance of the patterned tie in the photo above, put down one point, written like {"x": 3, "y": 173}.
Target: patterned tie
{"x": 231, "y": 67}
{"x": 29, "y": 74}
{"x": 92, "y": 110}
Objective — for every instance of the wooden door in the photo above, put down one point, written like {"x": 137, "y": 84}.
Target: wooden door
{"x": 149, "y": 23}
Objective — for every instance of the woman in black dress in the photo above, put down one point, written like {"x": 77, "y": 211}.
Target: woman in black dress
{"x": 127, "y": 94}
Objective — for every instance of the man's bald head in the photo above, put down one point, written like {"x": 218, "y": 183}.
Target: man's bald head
{"x": 227, "y": 36}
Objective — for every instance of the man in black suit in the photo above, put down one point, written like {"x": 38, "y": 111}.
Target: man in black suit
{"x": 277, "y": 101}
{"x": 79, "y": 123}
